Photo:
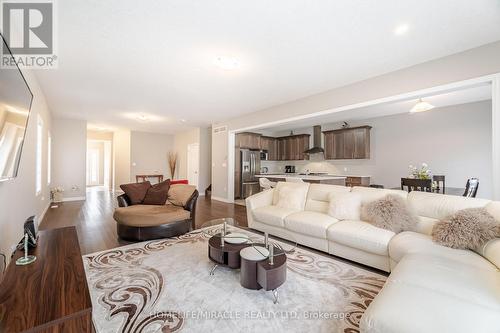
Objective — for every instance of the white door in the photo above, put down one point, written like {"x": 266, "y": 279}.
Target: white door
{"x": 93, "y": 167}
{"x": 193, "y": 163}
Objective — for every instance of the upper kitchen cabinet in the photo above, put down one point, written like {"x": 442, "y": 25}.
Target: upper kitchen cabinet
{"x": 248, "y": 140}
{"x": 292, "y": 147}
{"x": 348, "y": 143}
{"x": 270, "y": 145}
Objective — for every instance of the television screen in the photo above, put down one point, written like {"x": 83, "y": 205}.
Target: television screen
{"x": 15, "y": 104}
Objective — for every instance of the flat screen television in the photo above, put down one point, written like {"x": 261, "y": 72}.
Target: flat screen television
{"x": 15, "y": 105}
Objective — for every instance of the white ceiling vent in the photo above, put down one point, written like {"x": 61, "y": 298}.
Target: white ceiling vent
{"x": 220, "y": 129}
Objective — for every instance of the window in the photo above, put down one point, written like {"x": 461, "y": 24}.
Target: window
{"x": 49, "y": 158}
{"x": 39, "y": 145}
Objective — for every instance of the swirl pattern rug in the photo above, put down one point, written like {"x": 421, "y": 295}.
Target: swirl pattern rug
{"x": 165, "y": 286}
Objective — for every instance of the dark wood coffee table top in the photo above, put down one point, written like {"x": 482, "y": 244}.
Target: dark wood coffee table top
{"x": 49, "y": 291}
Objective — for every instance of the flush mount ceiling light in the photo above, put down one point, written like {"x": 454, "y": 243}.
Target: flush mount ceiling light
{"x": 401, "y": 29}
{"x": 142, "y": 118}
{"x": 421, "y": 106}
{"x": 226, "y": 63}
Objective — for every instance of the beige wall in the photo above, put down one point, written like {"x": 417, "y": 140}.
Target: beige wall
{"x": 99, "y": 135}
{"x": 121, "y": 158}
{"x": 205, "y": 177}
{"x": 149, "y": 153}
{"x": 69, "y": 140}
{"x": 470, "y": 64}
{"x": 17, "y": 196}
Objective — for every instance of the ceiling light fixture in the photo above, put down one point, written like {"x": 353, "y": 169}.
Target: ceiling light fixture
{"x": 183, "y": 120}
{"x": 401, "y": 29}
{"x": 421, "y": 106}
{"x": 143, "y": 118}
{"x": 226, "y": 63}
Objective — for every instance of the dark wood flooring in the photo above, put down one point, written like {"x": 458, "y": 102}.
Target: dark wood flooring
{"x": 93, "y": 218}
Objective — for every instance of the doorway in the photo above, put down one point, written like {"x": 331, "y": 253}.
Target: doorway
{"x": 193, "y": 163}
{"x": 98, "y": 163}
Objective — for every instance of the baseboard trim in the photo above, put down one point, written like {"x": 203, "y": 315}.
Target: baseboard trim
{"x": 73, "y": 199}
{"x": 42, "y": 215}
{"x": 221, "y": 199}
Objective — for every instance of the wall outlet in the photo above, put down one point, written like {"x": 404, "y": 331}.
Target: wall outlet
{"x": 345, "y": 169}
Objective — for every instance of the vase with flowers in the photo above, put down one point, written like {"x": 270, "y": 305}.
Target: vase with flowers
{"x": 422, "y": 172}
{"x": 56, "y": 194}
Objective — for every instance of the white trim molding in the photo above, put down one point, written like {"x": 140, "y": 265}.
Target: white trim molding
{"x": 221, "y": 199}
{"x": 73, "y": 199}
{"x": 495, "y": 134}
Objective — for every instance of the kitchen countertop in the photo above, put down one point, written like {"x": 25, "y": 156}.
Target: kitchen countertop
{"x": 296, "y": 175}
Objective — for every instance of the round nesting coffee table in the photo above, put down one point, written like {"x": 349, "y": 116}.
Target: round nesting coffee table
{"x": 262, "y": 258}
{"x": 224, "y": 246}
{"x": 261, "y": 269}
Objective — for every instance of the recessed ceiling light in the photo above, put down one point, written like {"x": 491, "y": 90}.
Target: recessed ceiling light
{"x": 401, "y": 29}
{"x": 226, "y": 63}
{"x": 183, "y": 120}
{"x": 142, "y": 117}
{"x": 421, "y": 106}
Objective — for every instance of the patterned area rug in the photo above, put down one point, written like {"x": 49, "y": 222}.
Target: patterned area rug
{"x": 165, "y": 286}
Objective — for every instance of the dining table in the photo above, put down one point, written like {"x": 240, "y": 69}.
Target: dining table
{"x": 447, "y": 190}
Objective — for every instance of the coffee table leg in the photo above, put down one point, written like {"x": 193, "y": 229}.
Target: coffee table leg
{"x": 275, "y": 295}
{"x": 212, "y": 271}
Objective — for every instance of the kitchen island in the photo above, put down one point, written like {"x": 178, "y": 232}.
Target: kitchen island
{"x": 316, "y": 179}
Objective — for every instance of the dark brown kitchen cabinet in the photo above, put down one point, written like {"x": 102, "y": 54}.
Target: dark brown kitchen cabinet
{"x": 349, "y": 143}
{"x": 291, "y": 148}
{"x": 270, "y": 145}
{"x": 248, "y": 140}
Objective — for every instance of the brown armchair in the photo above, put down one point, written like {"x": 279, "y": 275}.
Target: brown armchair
{"x": 146, "y": 222}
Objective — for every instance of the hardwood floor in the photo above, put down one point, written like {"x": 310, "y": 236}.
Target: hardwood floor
{"x": 93, "y": 218}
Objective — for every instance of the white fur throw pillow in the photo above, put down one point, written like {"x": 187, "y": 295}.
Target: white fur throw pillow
{"x": 344, "y": 205}
{"x": 291, "y": 198}
{"x": 466, "y": 229}
{"x": 390, "y": 213}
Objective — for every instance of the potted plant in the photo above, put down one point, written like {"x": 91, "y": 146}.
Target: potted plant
{"x": 423, "y": 172}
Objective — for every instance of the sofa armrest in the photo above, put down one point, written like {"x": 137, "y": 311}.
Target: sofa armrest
{"x": 123, "y": 200}
{"x": 261, "y": 199}
{"x": 191, "y": 207}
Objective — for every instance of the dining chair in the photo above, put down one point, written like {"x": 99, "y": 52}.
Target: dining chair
{"x": 294, "y": 180}
{"x": 412, "y": 184}
{"x": 439, "y": 179}
{"x": 471, "y": 187}
{"x": 266, "y": 184}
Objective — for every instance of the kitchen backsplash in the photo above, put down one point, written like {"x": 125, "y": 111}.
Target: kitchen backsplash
{"x": 360, "y": 167}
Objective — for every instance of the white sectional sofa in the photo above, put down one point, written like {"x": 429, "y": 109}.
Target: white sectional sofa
{"x": 431, "y": 288}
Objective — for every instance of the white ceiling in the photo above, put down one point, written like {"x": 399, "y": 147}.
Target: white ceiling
{"x": 122, "y": 58}
{"x": 457, "y": 97}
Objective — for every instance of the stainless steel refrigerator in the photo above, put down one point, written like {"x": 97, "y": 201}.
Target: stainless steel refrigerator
{"x": 246, "y": 169}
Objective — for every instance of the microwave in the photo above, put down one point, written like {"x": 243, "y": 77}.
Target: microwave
{"x": 264, "y": 156}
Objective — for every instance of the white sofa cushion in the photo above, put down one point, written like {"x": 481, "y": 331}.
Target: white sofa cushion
{"x": 345, "y": 205}
{"x": 369, "y": 194}
{"x": 318, "y": 196}
{"x": 309, "y": 223}
{"x": 425, "y": 224}
{"x": 361, "y": 235}
{"x": 408, "y": 242}
{"x": 433, "y": 294}
{"x": 272, "y": 215}
{"x": 439, "y": 206}
{"x": 292, "y": 198}
{"x": 300, "y": 190}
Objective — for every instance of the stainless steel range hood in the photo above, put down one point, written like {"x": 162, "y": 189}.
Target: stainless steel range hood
{"x": 316, "y": 148}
